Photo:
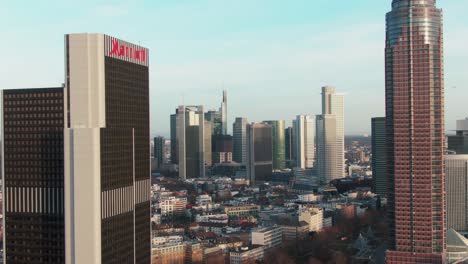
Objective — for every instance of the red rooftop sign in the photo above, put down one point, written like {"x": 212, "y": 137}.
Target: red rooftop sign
{"x": 126, "y": 51}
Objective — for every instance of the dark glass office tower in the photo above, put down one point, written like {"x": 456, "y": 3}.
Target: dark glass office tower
{"x": 259, "y": 152}
{"x": 33, "y": 175}
{"x": 379, "y": 156}
{"x": 415, "y": 132}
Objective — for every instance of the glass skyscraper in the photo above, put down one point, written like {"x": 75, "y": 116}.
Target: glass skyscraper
{"x": 279, "y": 155}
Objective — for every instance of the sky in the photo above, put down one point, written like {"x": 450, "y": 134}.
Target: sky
{"x": 272, "y": 56}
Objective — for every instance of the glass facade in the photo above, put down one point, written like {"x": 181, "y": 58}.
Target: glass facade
{"x": 278, "y": 136}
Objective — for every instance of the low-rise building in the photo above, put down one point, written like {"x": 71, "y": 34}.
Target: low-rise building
{"x": 242, "y": 210}
{"x": 295, "y": 231}
{"x": 269, "y": 237}
{"x": 169, "y": 253}
{"x": 313, "y": 216}
{"x": 173, "y": 205}
{"x": 247, "y": 255}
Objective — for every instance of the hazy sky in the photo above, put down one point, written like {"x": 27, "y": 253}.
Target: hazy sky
{"x": 271, "y": 55}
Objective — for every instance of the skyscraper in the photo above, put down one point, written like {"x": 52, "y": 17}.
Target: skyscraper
{"x": 174, "y": 154}
{"x": 379, "y": 156}
{"x": 33, "y": 177}
{"x": 459, "y": 141}
{"x": 279, "y": 155}
{"x": 240, "y": 140}
{"x": 330, "y": 136}
{"x": 415, "y": 132}
{"x": 159, "y": 143}
{"x": 76, "y": 191}
{"x": 259, "y": 152}
{"x": 304, "y": 141}
{"x": 193, "y": 141}
{"x": 107, "y": 161}
{"x": 288, "y": 144}
{"x": 223, "y": 111}
{"x": 456, "y": 179}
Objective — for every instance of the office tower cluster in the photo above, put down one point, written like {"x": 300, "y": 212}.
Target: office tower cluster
{"x": 315, "y": 145}
{"x": 76, "y": 162}
{"x": 199, "y": 139}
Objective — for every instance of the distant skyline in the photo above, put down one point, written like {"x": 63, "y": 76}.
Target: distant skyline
{"x": 271, "y": 57}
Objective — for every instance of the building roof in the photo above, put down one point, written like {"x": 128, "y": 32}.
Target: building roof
{"x": 455, "y": 239}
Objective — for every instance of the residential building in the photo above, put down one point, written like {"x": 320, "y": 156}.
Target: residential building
{"x": 295, "y": 231}
{"x": 330, "y": 136}
{"x": 456, "y": 182}
{"x": 415, "y": 132}
{"x": 240, "y": 140}
{"x": 269, "y": 237}
{"x": 312, "y": 216}
{"x": 242, "y": 210}
{"x": 259, "y": 152}
{"x": 379, "y": 156}
{"x": 247, "y": 255}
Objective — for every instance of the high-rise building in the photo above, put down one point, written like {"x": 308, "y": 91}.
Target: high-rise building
{"x": 259, "y": 152}
{"x": 222, "y": 147}
{"x": 214, "y": 117}
{"x": 193, "y": 141}
{"x": 159, "y": 143}
{"x": 279, "y": 156}
{"x": 304, "y": 141}
{"x": 379, "y": 156}
{"x": 223, "y": 110}
{"x": 76, "y": 191}
{"x": 107, "y": 162}
{"x": 459, "y": 141}
{"x": 33, "y": 177}
{"x": 415, "y": 132}
{"x": 456, "y": 180}
{"x": 174, "y": 154}
{"x": 288, "y": 144}
{"x": 330, "y": 136}
{"x": 240, "y": 140}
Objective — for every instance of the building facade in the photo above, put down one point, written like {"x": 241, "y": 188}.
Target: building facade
{"x": 379, "y": 156}
{"x": 86, "y": 158}
{"x": 159, "y": 143}
{"x": 288, "y": 145}
{"x": 304, "y": 141}
{"x": 259, "y": 152}
{"x": 33, "y": 177}
{"x": 269, "y": 237}
{"x": 414, "y": 82}
{"x": 456, "y": 180}
{"x": 193, "y": 141}
{"x": 279, "y": 155}
{"x": 240, "y": 140}
{"x": 330, "y": 136}
{"x": 459, "y": 142}
{"x": 107, "y": 166}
